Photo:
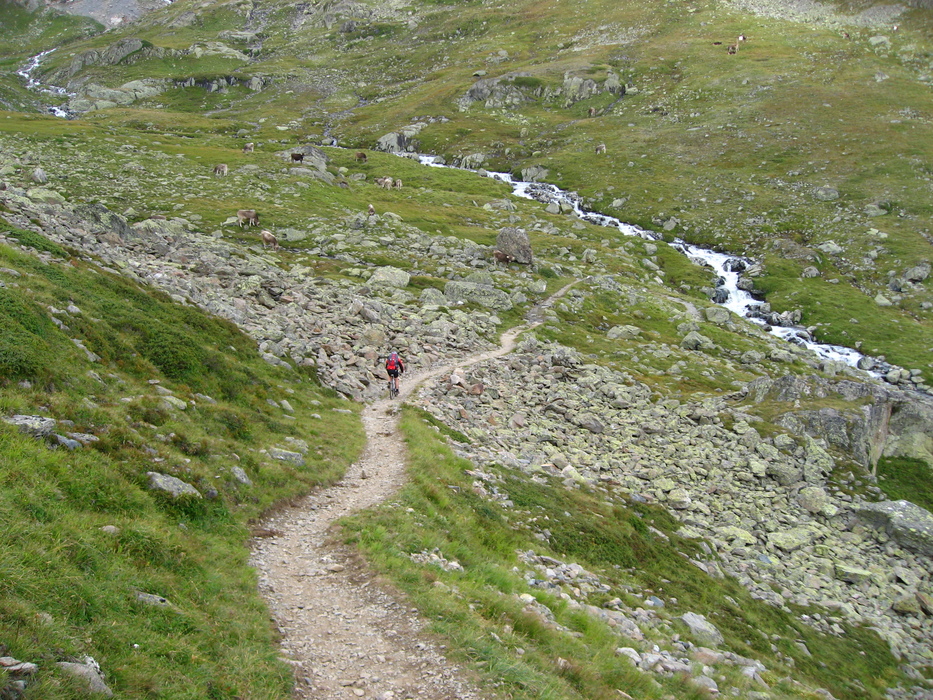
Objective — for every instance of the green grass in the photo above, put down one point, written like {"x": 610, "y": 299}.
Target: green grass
{"x": 440, "y": 511}
{"x": 907, "y": 479}
{"x": 68, "y": 588}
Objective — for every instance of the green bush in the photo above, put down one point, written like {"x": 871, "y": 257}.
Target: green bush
{"x": 37, "y": 241}
{"x": 173, "y": 352}
{"x": 526, "y": 81}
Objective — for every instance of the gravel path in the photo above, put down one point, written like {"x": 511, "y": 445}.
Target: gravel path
{"x": 347, "y": 635}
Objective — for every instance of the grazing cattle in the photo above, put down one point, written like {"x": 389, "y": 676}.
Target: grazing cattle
{"x": 248, "y": 217}
{"x": 372, "y": 210}
{"x": 733, "y": 49}
{"x": 220, "y": 170}
{"x": 397, "y": 184}
{"x": 601, "y": 148}
{"x": 502, "y": 257}
{"x": 592, "y": 111}
{"x": 361, "y": 157}
{"x": 269, "y": 240}
{"x": 249, "y": 148}
{"x": 298, "y": 157}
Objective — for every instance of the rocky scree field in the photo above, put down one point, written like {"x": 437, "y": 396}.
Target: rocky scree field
{"x": 645, "y": 459}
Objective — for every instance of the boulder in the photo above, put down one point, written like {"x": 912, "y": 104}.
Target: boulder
{"x": 812, "y": 498}
{"x": 516, "y": 243}
{"x": 696, "y": 341}
{"x": 174, "y": 487}
{"x": 717, "y": 315}
{"x": 534, "y": 173}
{"x": 825, "y": 194}
{"x": 918, "y": 273}
{"x": 390, "y": 277}
{"x": 37, "y": 426}
{"x": 90, "y": 673}
{"x": 624, "y": 332}
{"x": 704, "y": 632}
{"x": 909, "y": 524}
{"x": 791, "y": 540}
{"x": 287, "y": 456}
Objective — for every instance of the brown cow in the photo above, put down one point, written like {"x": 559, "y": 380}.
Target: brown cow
{"x": 248, "y": 217}
{"x": 298, "y": 157}
{"x": 361, "y": 157}
{"x": 269, "y": 240}
{"x": 220, "y": 170}
{"x": 502, "y": 257}
{"x": 249, "y": 148}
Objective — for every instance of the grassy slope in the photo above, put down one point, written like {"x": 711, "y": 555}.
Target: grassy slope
{"x": 732, "y": 146}
{"x": 67, "y": 588}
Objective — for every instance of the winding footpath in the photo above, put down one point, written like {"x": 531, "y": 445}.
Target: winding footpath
{"x": 347, "y": 635}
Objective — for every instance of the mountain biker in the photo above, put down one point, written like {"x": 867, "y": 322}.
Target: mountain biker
{"x": 394, "y": 367}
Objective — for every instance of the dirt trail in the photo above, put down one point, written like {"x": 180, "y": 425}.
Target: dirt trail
{"x": 348, "y": 636}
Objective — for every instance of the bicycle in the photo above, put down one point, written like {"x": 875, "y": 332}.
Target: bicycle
{"x": 393, "y": 387}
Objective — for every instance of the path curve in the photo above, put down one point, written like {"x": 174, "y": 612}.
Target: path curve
{"x": 347, "y": 635}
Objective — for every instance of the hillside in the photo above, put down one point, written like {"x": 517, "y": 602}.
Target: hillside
{"x": 649, "y": 495}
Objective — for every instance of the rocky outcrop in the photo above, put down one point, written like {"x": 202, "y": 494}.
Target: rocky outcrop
{"x": 909, "y": 524}
{"x": 882, "y": 421}
{"x": 495, "y": 93}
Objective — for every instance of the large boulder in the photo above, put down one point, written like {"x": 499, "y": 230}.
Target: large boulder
{"x": 909, "y": 524}
{"x": 703, "y": 631}
{"x": 516, "y": 243}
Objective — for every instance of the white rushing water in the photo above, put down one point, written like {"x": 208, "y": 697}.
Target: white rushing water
{"x": 32, "y": 84}
{"x": 726, "y": 267}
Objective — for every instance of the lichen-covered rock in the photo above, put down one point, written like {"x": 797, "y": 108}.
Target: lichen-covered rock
{"x": 37, "y": 426}
{"x": 174, "y": 487}
{"x": 391, "y": 277}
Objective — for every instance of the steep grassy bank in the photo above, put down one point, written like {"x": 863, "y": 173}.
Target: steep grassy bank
{"x": 136, "y": 384}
